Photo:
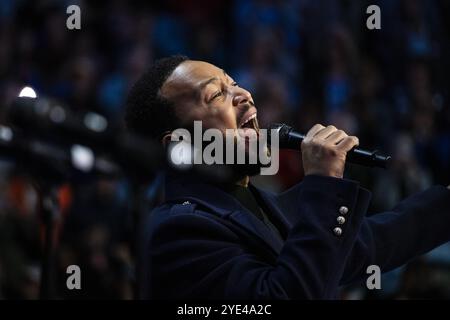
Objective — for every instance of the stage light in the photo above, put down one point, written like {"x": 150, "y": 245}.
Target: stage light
{"x": 82, "y": 158}
{"x": 28, "y": 92}
{"x": 95, "y": 122}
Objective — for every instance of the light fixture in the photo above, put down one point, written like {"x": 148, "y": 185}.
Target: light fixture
{"x": 28, "y": 92}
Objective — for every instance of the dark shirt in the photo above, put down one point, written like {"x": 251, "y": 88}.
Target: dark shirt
{"x": 253, "y": 204}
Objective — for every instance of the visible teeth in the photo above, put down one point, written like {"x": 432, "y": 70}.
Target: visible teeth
{"x": 250, "y": 118}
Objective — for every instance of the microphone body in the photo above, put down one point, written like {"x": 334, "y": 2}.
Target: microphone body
{"x": 290, "y": 139}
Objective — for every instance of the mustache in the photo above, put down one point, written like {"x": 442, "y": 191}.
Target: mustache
{"x": 243, "y": 111}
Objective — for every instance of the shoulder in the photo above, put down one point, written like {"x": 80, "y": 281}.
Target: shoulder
{"x": 170, "y": 211}
{"x": 182, "y": 215}
{"x": 178, "y": 223}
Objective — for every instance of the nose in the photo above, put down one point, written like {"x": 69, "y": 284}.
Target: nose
{"x": 241, "y": 96}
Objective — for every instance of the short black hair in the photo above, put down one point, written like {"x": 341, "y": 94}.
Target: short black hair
{"x": 148, "y": 113}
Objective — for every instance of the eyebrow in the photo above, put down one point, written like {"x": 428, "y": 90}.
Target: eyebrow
{"x": 203, "y": 84}
{"x": 206, "y": 82}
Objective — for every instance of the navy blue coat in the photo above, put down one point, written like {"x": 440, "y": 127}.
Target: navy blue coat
{"x": 202, "y": 243}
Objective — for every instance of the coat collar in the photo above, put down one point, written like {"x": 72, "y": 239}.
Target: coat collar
{"x": 221, "y": 203}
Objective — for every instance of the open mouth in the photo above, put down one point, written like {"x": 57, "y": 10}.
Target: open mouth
{"x": 250, "y": 123}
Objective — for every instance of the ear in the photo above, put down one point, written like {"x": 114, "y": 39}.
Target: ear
{"x": 165, "y": 140}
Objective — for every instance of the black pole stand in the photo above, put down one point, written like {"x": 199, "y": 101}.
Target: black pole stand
{"x": 145, "y": 197}
{"x": 49, "y": 210}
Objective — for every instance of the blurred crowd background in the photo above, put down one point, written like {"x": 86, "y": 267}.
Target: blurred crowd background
{"x": 304, "y": 61}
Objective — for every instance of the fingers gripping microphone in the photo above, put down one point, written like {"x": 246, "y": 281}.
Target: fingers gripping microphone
{"x": 290, "y": 139}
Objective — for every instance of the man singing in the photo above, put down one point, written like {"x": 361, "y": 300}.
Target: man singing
{"x": 209, "y": 240}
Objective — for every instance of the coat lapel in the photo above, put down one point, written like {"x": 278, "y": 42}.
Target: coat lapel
{"x": 270, "y": 200}
{"x": 223, "y": 205}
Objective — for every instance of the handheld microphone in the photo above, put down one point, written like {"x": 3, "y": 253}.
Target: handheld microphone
{"x": 290, "y": 139}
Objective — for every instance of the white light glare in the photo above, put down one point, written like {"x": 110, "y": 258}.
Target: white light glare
{"x": 28, "y": 92}
{"x": 82, "y": 158}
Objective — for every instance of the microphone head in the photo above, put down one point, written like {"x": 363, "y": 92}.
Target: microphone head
{"x": 283, "y": 133}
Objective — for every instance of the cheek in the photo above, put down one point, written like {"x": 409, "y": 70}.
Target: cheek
{"x": 219, "y": 117}
{"x": 226, "y": 119}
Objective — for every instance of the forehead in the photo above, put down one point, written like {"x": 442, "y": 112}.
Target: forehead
{"x": 189, "y": 75}
{"x": 195, "y": 71}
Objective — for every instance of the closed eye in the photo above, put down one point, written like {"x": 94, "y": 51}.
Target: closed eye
{"x": 220, "y": 93}
{"x": 216, "y": 95}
